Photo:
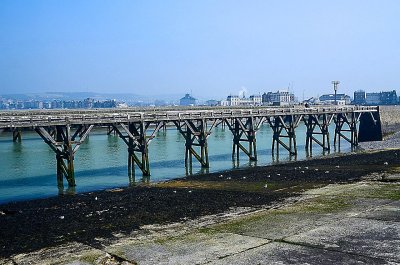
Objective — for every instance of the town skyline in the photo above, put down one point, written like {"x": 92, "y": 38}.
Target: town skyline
{"x": 89, "y": 100}
{"x": 208, "y": 47}
{"x": 143, "y": 93}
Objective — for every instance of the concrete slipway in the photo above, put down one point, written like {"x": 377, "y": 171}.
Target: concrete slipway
{"x": 357, "y": 223}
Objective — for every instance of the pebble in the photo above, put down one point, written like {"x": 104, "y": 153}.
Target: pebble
{"x": 278, "y": 174}
{"x": 244, "y": 177}
{"x": 174, "y": 191}
{"x": 228, "y": 178}
{"x": 95, "y": 198}
{"x": 316, "y": 169}
{"x": 266, "y": 186}
{"x": 327, "y": 172}
{"x": 386, "y": 163}
{"x": 62, "y": 217}
{"x": 302, "y": 171}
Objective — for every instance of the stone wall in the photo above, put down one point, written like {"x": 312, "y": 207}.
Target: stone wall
{"x": 390, "y": 118}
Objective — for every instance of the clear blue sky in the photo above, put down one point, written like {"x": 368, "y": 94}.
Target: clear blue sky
{"x": 210, "y": 47}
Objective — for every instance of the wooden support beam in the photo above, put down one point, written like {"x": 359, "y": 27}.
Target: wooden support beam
{"x": 351, "y": 120}
{"x": 214, "y": 124}
{"x": 317, "y": 125}
{"x": 17, "y": 134}
{"x": 134, "y": 136}
{"x": 195, "y": 136}
{"x": 159, "y": 126}
{"x": 83, "y": 136}
{"x": 63, "y": 143}
{"x": 244, "y": 132}
{"x": 284, "y": 127}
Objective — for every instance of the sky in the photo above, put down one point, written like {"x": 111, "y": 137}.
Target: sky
{"x": 208, "y": 48}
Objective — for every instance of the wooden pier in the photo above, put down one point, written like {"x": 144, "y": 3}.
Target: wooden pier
{"x": 65, "y": 130}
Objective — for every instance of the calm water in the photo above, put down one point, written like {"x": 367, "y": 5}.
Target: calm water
{"x": 28, "y": 169}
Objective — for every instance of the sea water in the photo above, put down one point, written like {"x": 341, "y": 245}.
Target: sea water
{"x": 28, "y": 168}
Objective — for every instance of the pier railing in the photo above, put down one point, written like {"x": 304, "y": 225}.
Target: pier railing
{"x": 33, "y": 118}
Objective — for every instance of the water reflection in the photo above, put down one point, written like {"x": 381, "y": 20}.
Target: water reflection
{"x": 133, "y": 182}
{"x": 68, "y": 191}
{"x": 189, "y": 171}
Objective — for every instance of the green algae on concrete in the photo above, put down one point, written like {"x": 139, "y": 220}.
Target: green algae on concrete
{"x": 278, "y": 223}
{"x": 389, "y": 212}
{"x": 6, "y": 262}
{"x": 308, "y": 213}
{"x": 263, "y": 186}
{"x": 226, "y": 185}
{"x": 198, "y": 248}
{"x": 375, "y": 189}
{"x": 72, "y": 253}
{"x": 341, "y": 223}
{"x": 365, "y": 189}
{"x": 291, "y": 227}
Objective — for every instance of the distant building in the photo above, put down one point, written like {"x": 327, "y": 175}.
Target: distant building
{"x": 359, "y": 97}
{"x": 382, "y": 98}
{"x": 47, "y": 105}
{"x": 57, "y": 104}
{"x": 212, "y": 102}
{"x": 279, "y": 98}
{"x": 255, "y": 100}
{"x": 329, "y": 99}
{"x": 111, "y": 103}
{"x": 389, "y": 98}
{"x": 188, "y": 100}
{"x": 233, "y": 100}
{"x": 373, "y": 98}
{"x": 88, "y": 103}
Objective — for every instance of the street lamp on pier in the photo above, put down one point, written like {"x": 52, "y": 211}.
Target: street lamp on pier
{"x": 335, "y": 87}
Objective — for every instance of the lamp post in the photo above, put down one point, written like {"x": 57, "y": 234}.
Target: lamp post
{"x": 335, "y": 86}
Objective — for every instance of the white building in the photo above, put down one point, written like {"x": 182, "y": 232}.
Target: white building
{"x": 279, "y": 98}
{"x": 329, "y": 99}
{"x": 233, "y": 100}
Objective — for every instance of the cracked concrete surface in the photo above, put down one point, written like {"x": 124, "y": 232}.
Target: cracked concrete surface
{"x": 356, "y": 223}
